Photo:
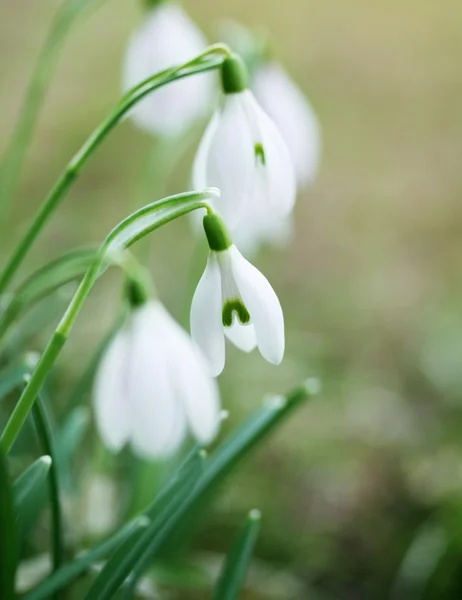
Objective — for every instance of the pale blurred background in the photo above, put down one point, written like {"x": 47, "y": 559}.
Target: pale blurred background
{"x": 371, "y": 287}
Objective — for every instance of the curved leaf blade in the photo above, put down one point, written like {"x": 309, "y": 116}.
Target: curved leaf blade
{"x": 30, "y": 491}
{"x": 68, "y": 573}
{"x": 121, "y": 564}
{"x": 237, "y": 562}
{"x": 229, "y": 453}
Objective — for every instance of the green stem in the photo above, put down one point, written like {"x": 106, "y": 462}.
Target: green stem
{"x": 13, "y": 160}
{"x": 24, "y": 405}
{"x": 45, "y": 434}
{"x": 76, "y": 164}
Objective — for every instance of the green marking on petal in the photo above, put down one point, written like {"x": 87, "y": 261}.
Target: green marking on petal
{"x": 234, "y": 306}
{"x": 260, "y": 154}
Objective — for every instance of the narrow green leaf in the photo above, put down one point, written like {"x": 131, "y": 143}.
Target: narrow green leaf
{"x": 238, "y": 444}
{"x": 71, "y": 571}
{"x": 117, "y": 569}
{"x": 41, "y": 283}
{"x": 30, "y": 492}
{"x": 237, "y": 563}
{"x": 47, "y": 442}
{"x": 13, "y": 376}
{"x": 13, "y": 159}
{"x": 8, "y": 540}
{"x": 68, "y": 438}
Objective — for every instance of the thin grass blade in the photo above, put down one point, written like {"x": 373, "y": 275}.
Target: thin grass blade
{"x": 237, "y": 562}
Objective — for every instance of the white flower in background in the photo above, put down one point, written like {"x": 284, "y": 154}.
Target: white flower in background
{"x": 167, "y": 37}
{"x": 243, "y": 154}
{"x": 299, "y": 126}
{"x": 289, "y": 108}
{"x": 234, "y": 299}
{"x": 153, "y": 385}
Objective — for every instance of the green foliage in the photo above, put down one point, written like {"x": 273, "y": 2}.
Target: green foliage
{"x": 237, "y": 562}
{"x": 30, "y": 491}
{"x": 8, "y": 538}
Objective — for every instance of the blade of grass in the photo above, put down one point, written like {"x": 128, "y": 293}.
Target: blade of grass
{"x": 13, "y": 159}
{"x": 45, "y": 435}
{"x": 237, "y": 562}
{"x": 68, "y": 573}
{"x": 231, "y": 451}
{"x": 120, "y": 565}
{"x": 8, "y": 539}
{"x": 30, "y": 492}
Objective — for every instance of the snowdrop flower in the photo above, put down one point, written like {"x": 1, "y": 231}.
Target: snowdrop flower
{"x": 293, "y": 114}
{"x": 167, "y": 37}
{"x": 299, "y": 126}
{"x": 234, "y": 299}
{"x": 153, "y": 385}
{"x": 243, "y": 154}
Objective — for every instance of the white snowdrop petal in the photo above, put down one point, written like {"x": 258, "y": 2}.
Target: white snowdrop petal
{"x": 281, "y": 184}
{"x": 199, "y": 172}
{"x": 263, "y": 305}
{"x": 200, "y": 396}
{"x": 294, "y": 116}
{"x": 242, "y": 336}
{"x": 231, "y": 160}
{"x": 196, "y": 390}
{"x": 167, "y": 37}
{"x": 206, "y": 320}
{"x": 156, "y": 414}
{"x": 110, "y": 402}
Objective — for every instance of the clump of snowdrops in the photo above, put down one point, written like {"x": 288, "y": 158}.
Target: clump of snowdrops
{"x": 154, "y": 387}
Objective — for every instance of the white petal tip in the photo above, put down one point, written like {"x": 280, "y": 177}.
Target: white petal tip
{"x": 46, "y": 460}
{"x": 274, "y": 359}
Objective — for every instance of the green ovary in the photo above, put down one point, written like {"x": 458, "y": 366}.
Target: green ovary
{"x": 234, "y": 306}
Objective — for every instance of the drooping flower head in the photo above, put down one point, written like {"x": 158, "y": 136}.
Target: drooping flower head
{"x": 153, "y": 386}
{"x": 166, "y": 38}
{"x": 243, "y": 154}
{"x": 234, "y": 299}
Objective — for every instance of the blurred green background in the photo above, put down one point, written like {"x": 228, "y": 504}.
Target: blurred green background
{"x": 361, "y": 492}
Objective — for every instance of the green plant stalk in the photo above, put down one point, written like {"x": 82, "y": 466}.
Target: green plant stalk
{"x": 45, "y": 434}
{"x": 10, "y": 169}
{"x": 74, "y": 167}
{"x": 53, "y": 349}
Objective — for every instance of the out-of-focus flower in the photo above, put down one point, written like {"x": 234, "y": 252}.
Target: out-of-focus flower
{"x": 299, "y": 126}
{"x": 243, "y": 154}
{"x": 234, "y": 299}
{"x": 153, "y": 385}
{"x": 100, "y": 504}
{"x": 294, "y": 116}
{"x": 167, "y": 37}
